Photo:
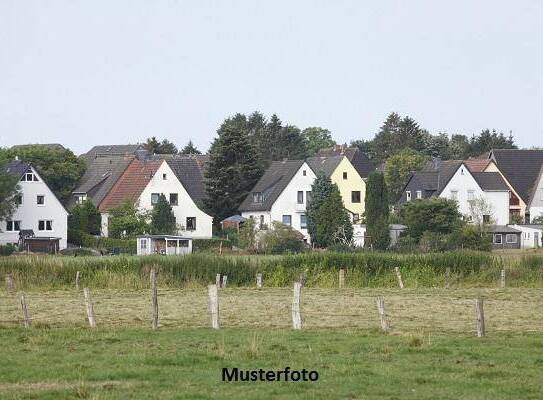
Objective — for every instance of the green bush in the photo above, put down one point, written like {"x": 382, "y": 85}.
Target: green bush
{"x": 210, "y": 244}
{"x": 7, "y": 250}
{"x": 281, "y": 239}
{"x": 127, "y": 246}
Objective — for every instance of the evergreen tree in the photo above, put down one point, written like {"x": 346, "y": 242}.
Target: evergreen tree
{"x": 162, "y": 218}
{"x": 156, "y": 147}
{"x": 190, "y": 149}
{"x": 232, "y": 170}
{"x": 9, "y": 191}
{"x": 327, "y": 218}
{"x": 377, "y": 212}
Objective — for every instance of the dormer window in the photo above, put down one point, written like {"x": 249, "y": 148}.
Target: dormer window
{"x": 257, "y": 197}
{"x": 29, "y": 177}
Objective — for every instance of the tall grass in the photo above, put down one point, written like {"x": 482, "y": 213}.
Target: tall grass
{"x": 364, "y": 269}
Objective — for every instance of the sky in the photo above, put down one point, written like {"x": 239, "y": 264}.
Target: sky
{"x": 83, "y": 73}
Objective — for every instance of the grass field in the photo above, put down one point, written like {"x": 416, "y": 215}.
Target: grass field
{"x": 430, "y": 353}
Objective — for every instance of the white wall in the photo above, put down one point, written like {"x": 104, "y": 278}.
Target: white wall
{"x": 29, "y": 213}
{"x": 463, "y": 182}
{"x": 186, "y": 206}
{"x": 529, "y": 233}
{"x": 286, "y": 203}
{"x": 536, "y": 205}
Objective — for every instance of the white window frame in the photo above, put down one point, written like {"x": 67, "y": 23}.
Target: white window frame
{"x": 38, "y": 196}
{"x": 157, "y": 197}
{"x": 498, "y": 235}
{"x": 513, "y": 236}
{"x": 289, "y": 217}
{"x": 298, "y": 198}
{"x": 303, "y": 225}
{"x": 193, "y": 225}
{"x": 419, "y": 194}
{"x": 13, "y": 222}
{"x": 143, "y": 244}
{"x": 45, "y": 221}
{"x": 177, "y": 199}
{"x": 408, "y": 195}
{"x": 471, "y": 195}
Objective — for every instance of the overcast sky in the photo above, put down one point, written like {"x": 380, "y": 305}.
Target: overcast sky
{"x": 83, "y": 73}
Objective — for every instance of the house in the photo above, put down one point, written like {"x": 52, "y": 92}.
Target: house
{"x": 531, "y": 235}
{"x": 452, "y": 179}
{"x": 39, "y": 212}
{"x": 163, "y": 244}
{"x": 522, "y": 170}
{"x": 179, "y": 178}
{"x": 504, "y": 237}
{"x": 349, "y": 182}
{"x": 360, "y": 237}
{"x": 281, "y": 195}
{"x": 363, "y": 165}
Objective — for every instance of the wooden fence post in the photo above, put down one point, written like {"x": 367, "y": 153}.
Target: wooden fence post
{"x": 90, "y": 307}
{"x": 213, "y": 301}
{"x": 382, "y": 314}
{"x": 342, "y": 278}
{"x": 77, "y": 276}
{"x": 447, "y": 277}
{"x": 399, "y": 276}
{"x": 154, "y": 299}
{"x": 296, "y": 315}
{"x": 26, "y": 319}
{"x": 302, "y": 279}
{"x": 480, "y": 317}
{"x": 502, "y": 283}
{"x": 218, "y": 280}
{"x": 259, "y": 280}
{"x": 224, "y": 280}
{"x": 9, "y": 283}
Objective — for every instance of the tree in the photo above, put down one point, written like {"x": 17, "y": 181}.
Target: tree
{"x": 59, "y": 167}
{"x": 162, "y": 218}
{"x": 156, "y": 147}
{"x": 481, "y": 212}
{"x": 9, "y": 191}
{"x": 127, "y": 221}
{"x": 377, "y": 212}
{"x": 399, "y": 167}
{"x": 190, "y": 149}
{"x": 327, "y": 220}
{"x": 280, "y": 239}
{"x": 85, "y": 218}
{"x": 232, "y": 170}
{"x": 488, "y": 140}
{"x": 317, "y": 138}
{"x": 437, "y": 215}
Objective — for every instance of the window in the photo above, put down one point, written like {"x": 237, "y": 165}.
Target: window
{"x": 261, "y": 222}
{"x": 40, "y": 199}
{"x": 143, "y": 243}
{"x": 29, "y": 177}
{"x": 300, "y": 197}
{"x": 304, "y": 172}
{"x": 287, "y": 220}
{"x": 498, "y": 238}
{"x": 486, "y": 219}
{"x": 471, "y": 195}
{"x": 511, "y": 238}
{"x": 407, "y": 195}
{"x": 419, "y": 194}
{"x": 355, "y": 196}
{"x": 308, "y": 196}
{"x": 344, "y": 175}
{"x": 173, "y": 199}
{"x": 18, "y": 199}
{"x": 13, "y": 226}
{"x": 462, "y": 170}
{"x": 80, "y": 198}
{"x": 164, "y": 176}
{"x": 45, "y": 225}
{"x": 191, "y": 223}
{"x": 303, "y": 221}
{"x": 454, "y": 194}
{"x": 154, "y": 198}
{"x": 356, "y": 218}
{"x": 257, "y": 197}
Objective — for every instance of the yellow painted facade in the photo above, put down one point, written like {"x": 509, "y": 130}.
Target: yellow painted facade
{"x": 349, "y": 183}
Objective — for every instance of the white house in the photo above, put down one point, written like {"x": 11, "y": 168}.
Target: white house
{"x": 479, "y": 194}
{"x": 359, "y": 234}
{"x": 531, "y": 236}
{"x": 179, "y": 179}
{"x": 39, "y": 210}
{"x": 281, "y": 195}
{"x": 535, "y": 206}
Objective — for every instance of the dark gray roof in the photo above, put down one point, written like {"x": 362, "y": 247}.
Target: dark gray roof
{"x": 360, "y": 161}
{"x": 324, "y": 164}
{"x": 190, "y": 174}
{"x": 490, "y": 181}
{"x": 16, "y": 168}
{"x": 234, "y": 218}
{"x": 101, "y": 174}
{"x": 500, "y": 229}
{"x": 521, "y": 168}
{"x": 271, "y": 185}
{"x": 112, "y": 150}
{"x": 436, "y": 177}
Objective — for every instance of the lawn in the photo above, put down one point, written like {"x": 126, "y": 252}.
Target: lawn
{"x": 431, "y": 351}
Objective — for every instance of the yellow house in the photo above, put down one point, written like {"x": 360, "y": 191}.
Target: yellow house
{"x": 351, "y": 185}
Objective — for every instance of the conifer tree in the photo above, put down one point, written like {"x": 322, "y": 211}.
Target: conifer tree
{"x": 377, "y": 212}
{"x": 162, "y": 218}
{"x": 190, "y": 149}
{"x": 233, "y": 168}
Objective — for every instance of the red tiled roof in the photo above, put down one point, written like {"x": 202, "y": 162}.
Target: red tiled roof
{"x": 477, "y": 164}
{"x": 131, "y": 183}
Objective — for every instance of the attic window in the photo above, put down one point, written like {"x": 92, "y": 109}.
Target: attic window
{"x": 163, "y": 177}
{"x": 304, "y": 172}
{"x": 29, "y": 177}
{"x": 344, "y": 175}
{"x": 257, "y": 197}
{"x": 462, "y": 171}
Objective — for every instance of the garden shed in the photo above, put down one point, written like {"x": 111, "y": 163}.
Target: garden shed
{"x": 163, "y": 244}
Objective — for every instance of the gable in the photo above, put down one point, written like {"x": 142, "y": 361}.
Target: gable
{"x": 50, "y": 197}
